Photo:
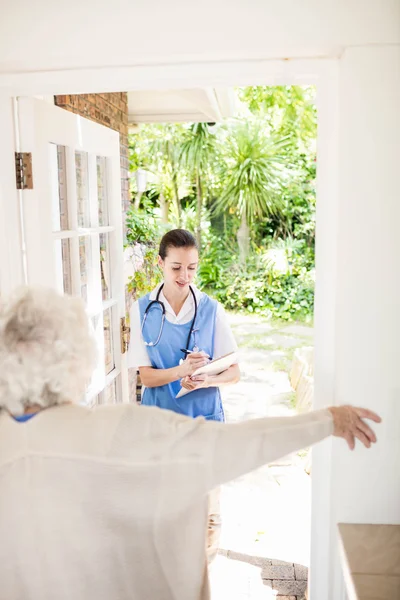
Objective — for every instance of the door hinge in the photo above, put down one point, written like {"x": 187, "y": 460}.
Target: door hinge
{"x": 23, "y": 170}
{"x": 124, "y": 332}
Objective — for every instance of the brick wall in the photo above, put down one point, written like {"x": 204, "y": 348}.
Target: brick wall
{"x": 110, "y": 110}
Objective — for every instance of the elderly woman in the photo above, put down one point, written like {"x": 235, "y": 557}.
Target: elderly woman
{"x": 92, "y": 501}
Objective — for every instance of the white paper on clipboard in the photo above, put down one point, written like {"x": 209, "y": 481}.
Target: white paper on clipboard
{"x": 215, "y": 367}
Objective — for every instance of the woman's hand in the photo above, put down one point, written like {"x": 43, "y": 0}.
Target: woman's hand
{"x": 349, "y": 424}
{"x": 194, "y": 361}
{"x": 195, "y": 383}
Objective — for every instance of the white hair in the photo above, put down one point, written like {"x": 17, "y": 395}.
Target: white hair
{"x": 47, "y": 353}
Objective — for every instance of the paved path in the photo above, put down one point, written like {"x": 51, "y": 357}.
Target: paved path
{"x": 266, "y": 514}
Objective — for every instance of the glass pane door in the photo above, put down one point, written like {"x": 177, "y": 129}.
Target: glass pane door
{"x": 76, "y": 245}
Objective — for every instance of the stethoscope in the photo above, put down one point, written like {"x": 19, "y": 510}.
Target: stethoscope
{"x": 161, "y": 304}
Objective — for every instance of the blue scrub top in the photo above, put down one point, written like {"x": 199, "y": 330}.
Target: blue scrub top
{"x": 205, "y": 402}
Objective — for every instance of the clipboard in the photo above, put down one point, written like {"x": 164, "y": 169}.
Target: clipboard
{"x": 214, "y": 367}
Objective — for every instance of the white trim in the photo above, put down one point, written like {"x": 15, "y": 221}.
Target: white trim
{"x": 165, "y": 76}
{"x": 99, "y": 229}
{"x": 65, "y": 234}
{"x": 49, "y": 98}
{"x": 111, "y": 376}
{"x": 73, "y": 217}
{"x": 226, "y": 101}
{"x": 169, "y": 118}
{"x": 68, "y": 233}
{"x": 322, "y": 538}
{"x": 215, "y": 112}
{"x": 116, "y": 243}
{"x": 11, "y": 247}
{"x": 91, "y": 399}
{"x": 109, "y": 303}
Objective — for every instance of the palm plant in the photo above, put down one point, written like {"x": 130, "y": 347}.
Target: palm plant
{"x": 160, "y": 188}
{"x": 280, "y": 256}
{"x": 164, "y": 150}
{"x": 253, "y": 173}
{"x": 196, "y": 155}
{"x": 156, "y": 149}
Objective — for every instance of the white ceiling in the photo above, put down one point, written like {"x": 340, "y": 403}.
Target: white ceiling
{"x": 174, "y": 106}
{"x": 37, "y": 36}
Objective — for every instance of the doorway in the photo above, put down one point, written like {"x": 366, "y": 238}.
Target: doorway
{"x": 323, "y": 74}
{"x": 264, "y": 548}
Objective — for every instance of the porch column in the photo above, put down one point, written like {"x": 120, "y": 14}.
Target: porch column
{"x": 365, "y": 485}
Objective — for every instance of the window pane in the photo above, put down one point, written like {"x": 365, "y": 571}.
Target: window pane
{"x": 105, "y": 265}
{"x": 102, "y": 190}
{"x": 110, "y": 393}
{"x": 108, "y": 342}
{"x": 59, "y": 188}
{"x": 85, "y": 264}
{"x": 82, "y": 189}
{"x": 63, "y": 258}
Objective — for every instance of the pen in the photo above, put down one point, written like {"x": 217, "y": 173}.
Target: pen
{"x": 191, "y": 352}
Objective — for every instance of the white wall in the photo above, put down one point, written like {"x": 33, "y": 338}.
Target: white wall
{"x": 365, "y": 486}
{"x": 45, "y": 34}
{"x": 368, "y": 284}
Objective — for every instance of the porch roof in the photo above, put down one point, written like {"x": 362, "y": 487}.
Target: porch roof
{"x": 187, "y": 105}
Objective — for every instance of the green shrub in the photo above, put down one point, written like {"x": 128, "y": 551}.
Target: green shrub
{"x": 258, "y": 287}
{"x": 277, "y": 280}
{"x": 215, "y": 261}
{"x": 143, "y": 226}
{"x": 143, "y": 233}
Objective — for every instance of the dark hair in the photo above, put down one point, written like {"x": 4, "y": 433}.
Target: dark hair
{"x": 177, "y": 238}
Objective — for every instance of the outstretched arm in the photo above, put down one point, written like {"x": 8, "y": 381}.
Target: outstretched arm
{"x": 232, "y": 450}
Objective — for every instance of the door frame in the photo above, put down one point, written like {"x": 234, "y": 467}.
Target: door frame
{"x": 320, "y": 72}
{"x": 12, "y": 264}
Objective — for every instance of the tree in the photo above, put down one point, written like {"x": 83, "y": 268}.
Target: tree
{"x": 253, "y": 172}
{"x": 167, "y": 147}
{"x": 288, "y": 110}
{"x": 156, "y": 148}
{"x": 197, "y": 154}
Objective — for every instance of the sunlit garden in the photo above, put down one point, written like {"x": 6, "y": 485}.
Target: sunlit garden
{"x": 246, "y": 188}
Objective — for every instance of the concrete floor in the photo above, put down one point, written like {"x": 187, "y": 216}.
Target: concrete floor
{"x": 265, "y": 538}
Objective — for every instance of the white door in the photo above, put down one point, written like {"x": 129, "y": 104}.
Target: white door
{"x": 72, "y": 220}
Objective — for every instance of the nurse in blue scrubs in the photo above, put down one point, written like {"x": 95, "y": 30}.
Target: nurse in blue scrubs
{"x": 166, "y": 324}
{"x": 175, "y": 330}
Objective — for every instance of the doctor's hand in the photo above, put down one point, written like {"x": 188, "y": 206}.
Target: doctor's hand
{"x": 195, "y": 383}
{"x": 348, "y": 422}
{"x": 194, "y": 361}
